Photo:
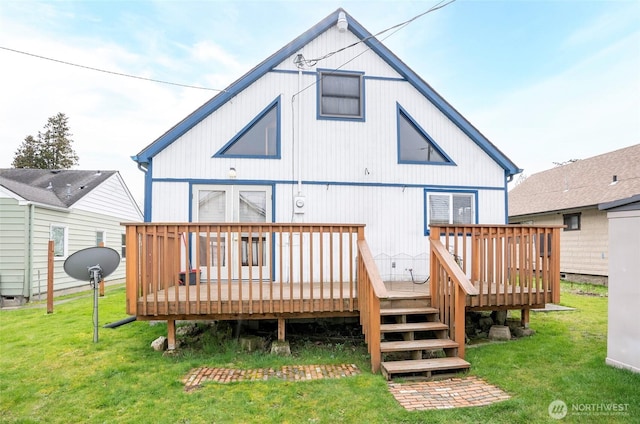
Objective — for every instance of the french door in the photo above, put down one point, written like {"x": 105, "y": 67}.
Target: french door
{"x": 244, "y": 253}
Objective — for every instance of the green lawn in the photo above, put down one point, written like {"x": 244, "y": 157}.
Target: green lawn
{"x": 52, "y": 372}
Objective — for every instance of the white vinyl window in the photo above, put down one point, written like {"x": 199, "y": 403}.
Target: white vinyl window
{"x": 450, "y": 208}
{"x": 101, "y": 237}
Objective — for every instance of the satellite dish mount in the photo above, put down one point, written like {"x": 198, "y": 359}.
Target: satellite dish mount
{"x": 94, "y": 264}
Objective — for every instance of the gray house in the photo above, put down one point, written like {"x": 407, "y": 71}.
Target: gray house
{"x": 76, "y": 209}
{"x": 570, "y": 195}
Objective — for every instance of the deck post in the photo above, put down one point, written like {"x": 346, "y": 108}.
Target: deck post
{"x": 281, "y": 329}
{"x": 524, "y": 318}
{"x": 459, "y": 319}
{"x": 171, "y": 334}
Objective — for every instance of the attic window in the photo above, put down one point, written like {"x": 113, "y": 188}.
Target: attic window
{"x": 415, "y": 145}
{"x": 260, "y": 138}
{"x": 340, "y": 95}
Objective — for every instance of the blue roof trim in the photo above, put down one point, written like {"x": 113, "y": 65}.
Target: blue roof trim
{"x": 401, "y": 111}
{"x": 274, "y": 104}
{"x": 359, "y": 31}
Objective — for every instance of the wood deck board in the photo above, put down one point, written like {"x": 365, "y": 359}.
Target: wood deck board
{"x": 434, "y": 364}
{"x": 427, "y": 344}
{"x": 413, "y": 326}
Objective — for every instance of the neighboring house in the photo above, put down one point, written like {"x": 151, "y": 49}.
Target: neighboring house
{"x": 570, "y": 195}
{"x": 332, "y": 128}
{"x": 623, "y": 339}
{"x": 76, "y": 209}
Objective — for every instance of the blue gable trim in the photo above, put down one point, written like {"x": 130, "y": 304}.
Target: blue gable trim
{"x": 359, "y": 31}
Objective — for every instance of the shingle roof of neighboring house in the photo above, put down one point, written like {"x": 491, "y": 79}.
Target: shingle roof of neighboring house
{"x": 145, "y": 156}
{"x": 586, "y": 182}
{"x": 53, "y": 187}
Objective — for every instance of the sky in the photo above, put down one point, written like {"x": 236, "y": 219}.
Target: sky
{"x": 545, "y": 81}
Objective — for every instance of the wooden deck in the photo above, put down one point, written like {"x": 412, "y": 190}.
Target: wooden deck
{"x": 253, "y": 300}
{"x": 286, "y": 270}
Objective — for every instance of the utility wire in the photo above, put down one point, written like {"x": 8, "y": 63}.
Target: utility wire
{"x": 299, "y": 61}
{"x": 439, "y": 5}
{"x": 108, "y": 72}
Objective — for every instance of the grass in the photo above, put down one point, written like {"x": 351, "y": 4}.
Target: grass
{"x": 52, "y": 372}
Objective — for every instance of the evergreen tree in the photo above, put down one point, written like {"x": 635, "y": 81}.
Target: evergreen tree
{"x": 51, "y": 149}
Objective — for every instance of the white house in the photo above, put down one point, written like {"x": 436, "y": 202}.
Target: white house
{"x": 331, "y": 128}
{"x": 623, "y": 338}
{"x": 76, "y": 209}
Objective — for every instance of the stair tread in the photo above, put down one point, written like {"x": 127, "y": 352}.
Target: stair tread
{"x": 434, "y": 364}
{"x": 398, "y": 294}
{"x": 413, "y": 326}
{"x": 408, "y": 311}
{"x": 424, "y": 344}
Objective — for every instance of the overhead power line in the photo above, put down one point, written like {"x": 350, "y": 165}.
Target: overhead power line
{"x": 109, "y": 72}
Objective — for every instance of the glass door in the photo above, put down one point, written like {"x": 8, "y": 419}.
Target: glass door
{"x": 245, "y": 253}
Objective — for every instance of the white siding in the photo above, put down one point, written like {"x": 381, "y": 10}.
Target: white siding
{"x": 349, "y": 169}
{"x": 111, "y": 198}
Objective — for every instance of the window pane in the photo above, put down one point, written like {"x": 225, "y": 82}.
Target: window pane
{"x": 439, "y": 209}
{"x": 212, "y": 206}
{"x": 462, "y": 209}
{"x": 259, "y": 140}
{"x": 253, "y": 206}
{"x": 99, "y": 237}
{"x": 57, "y": 235}
{"x": 340, "y": 106}
{"x": 341, "y": 85}
{"x": 123, "y": 251}
{"x": 414, "y": 146}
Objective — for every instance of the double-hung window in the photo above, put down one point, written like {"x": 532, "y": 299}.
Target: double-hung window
{"x": 340, "y": 95}
{"x": 456, "y": 208}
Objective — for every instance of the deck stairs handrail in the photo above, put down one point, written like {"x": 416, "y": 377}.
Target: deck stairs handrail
{"x": 371, "y": 290}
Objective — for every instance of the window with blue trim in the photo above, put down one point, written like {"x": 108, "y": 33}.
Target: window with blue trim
{"x": 340, "y": 95}
{"x": 451, "y": 208}
{"x": 259, "y": 139}
{"x": 415, "y": 145}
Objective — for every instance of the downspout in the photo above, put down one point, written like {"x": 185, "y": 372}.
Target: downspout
{"x": 29, "y": 267}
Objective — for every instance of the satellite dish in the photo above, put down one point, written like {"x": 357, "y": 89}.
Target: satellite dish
{"x": 93, "y": 264}
{"x": 80, "y": 265}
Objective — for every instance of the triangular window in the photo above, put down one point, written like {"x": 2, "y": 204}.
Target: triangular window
{"x": 415, "y": 145}
{"x": 259, "y": 139}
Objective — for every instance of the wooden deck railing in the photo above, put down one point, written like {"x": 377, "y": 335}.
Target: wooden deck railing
{"x": 512, "y": 266}
{"x": 450, "y": 289}
{"x": 248, "y": 268}
{"x": 371, "y": 290}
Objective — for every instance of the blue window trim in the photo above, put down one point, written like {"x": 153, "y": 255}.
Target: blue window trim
{"x": 320, "y": 116}
{"x": 425, "y": 207}
{"x": 400, "y": 111}
{"x": 274, "y": 104}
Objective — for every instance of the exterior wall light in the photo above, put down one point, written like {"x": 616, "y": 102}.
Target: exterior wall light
{"x": 232, "y": 172}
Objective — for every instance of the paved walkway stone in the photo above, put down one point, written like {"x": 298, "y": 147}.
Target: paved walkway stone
{"x": 197, "y": 376}
{"x": 445, "y": 394}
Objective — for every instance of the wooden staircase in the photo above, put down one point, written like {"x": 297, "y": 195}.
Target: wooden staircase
{"x": 414, "y": 343}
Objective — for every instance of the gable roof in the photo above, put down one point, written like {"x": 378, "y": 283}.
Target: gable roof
{"x": 144, "y": 156}
{"x": 584, "y": 183}
{"x": 53, "y": 187}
